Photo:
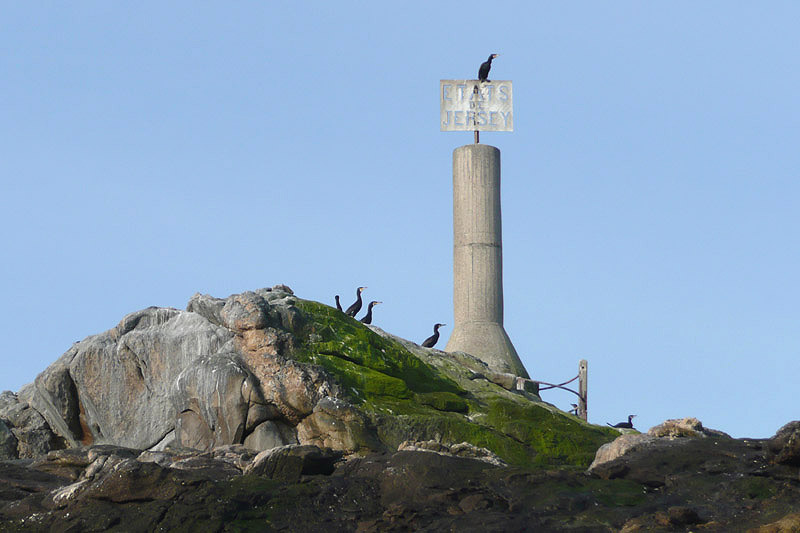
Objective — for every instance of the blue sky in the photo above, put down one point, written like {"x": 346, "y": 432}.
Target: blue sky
{"x": 152, "y": 150}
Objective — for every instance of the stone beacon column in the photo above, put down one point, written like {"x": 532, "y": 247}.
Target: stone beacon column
{"x": 478, "y": 260}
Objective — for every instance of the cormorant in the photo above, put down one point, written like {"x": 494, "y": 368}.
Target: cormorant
{"x": 367, "y": 319}
{"x": 626, "y": 425}
{"x": 433, "y": 339}
{"x": 486, "y": 66}
{"x": 338, "y": 304}
{"x": 356, "y": 307}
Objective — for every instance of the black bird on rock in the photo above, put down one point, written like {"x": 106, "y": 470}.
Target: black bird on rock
{"x": 624, "y": 425}
{"x": 356, "y": 307}
{"x": 486, "y": 66}
{"x": 431, "y": 341}
{"x": 367, "y": 319}
{"x": 338, "y": 303}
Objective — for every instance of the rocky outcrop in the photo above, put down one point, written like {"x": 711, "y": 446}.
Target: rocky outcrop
{"x": 266, "y": 369}
{"x": 784, "y": 447}
{"x": 246, "y": 412}
{"x": 30, "y": 435}
{"x": 622, "y": 457}
{"x": 683, "y": 427}
{"x": 205, "y": 377}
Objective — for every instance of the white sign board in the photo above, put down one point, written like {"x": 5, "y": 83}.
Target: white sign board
{"x": 471, "y": 105}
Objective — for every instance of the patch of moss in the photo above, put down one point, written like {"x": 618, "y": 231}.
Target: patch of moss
{"x": 409, "y": 399}
{"x": 443, "y": 401}
{"x": 333, "y": 333}
{"x": 617, "y": 492}
{"x": 557, "y": 438}
{"x": 359, "y": 379}
{"x": 756, "y": 488}
{"x": 451, "y": 427}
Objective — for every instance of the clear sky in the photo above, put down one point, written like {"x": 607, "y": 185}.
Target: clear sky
{"x": 151, "y": 150}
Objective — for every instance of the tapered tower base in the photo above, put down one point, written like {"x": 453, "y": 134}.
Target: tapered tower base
{"x": 478, "y": 260}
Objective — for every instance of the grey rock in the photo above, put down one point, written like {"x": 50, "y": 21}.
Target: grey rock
{"x": 168, "y": 440}
{"x": 506, "y": 380}
{"x": 622, "y": 445}
{"x": 208, "y": 307}
{"x": 7, "y": 401}
{"x": 464, "y": 450}
{"x": 236, "y": 454}
{"x": 33, "y": 434}
{"x": 209, "y": 467}
{"x": 684, "y": 427}
{"x": 270, "y": 434}
{"x": 246, "y": 311}
{"x": 11, "y": 408}
{"x": 784, "y": 447}
{"x": 213, "y": 398}
{"x": 282, "y": 288}
{"x": 288, "y": 463}
{"x": 56, "y": 398}
{"x": 337, "y": 424}
{"x": 28, "y": 428}
{"x": 8, "y": 443}
{"x": 125, "y": 377}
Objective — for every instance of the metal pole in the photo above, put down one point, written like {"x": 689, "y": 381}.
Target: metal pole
{"x": 583, "y": 404}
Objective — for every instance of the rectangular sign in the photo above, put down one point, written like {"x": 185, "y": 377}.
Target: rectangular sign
{"x": 471, "y": 105}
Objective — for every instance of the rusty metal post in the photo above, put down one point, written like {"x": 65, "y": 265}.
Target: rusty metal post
{"x": 583, "y": 404}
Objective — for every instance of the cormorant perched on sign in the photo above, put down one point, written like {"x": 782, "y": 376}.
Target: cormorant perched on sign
{"x": 433, "y": 339}
{"x": 367, "y": 319}
{"x": 625, "y": 425}
{"x": 486, "y": 66}
{"x": 356, "y": 307}
{"x": 338, "y": 303}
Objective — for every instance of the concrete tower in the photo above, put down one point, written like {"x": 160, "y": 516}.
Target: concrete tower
{"x": 478, "y": 260}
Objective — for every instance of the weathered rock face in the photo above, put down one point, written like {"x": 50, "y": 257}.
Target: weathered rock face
{"x": 118, "y": 387}
{"x": 201, "y": 378}
{"x": 266, "y": 369}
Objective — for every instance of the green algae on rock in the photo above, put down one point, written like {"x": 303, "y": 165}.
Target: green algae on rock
{"x": 408, "y": 398}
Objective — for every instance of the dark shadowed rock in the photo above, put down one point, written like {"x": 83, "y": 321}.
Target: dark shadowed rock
{"x": 288, "y": 463}
{"x": 8, "y": 443}
{"x": 785, "y": 445}
{"x": 270, "y": 434}
{"x": 788, "y": 524}
{"x": 31, "y": 435}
